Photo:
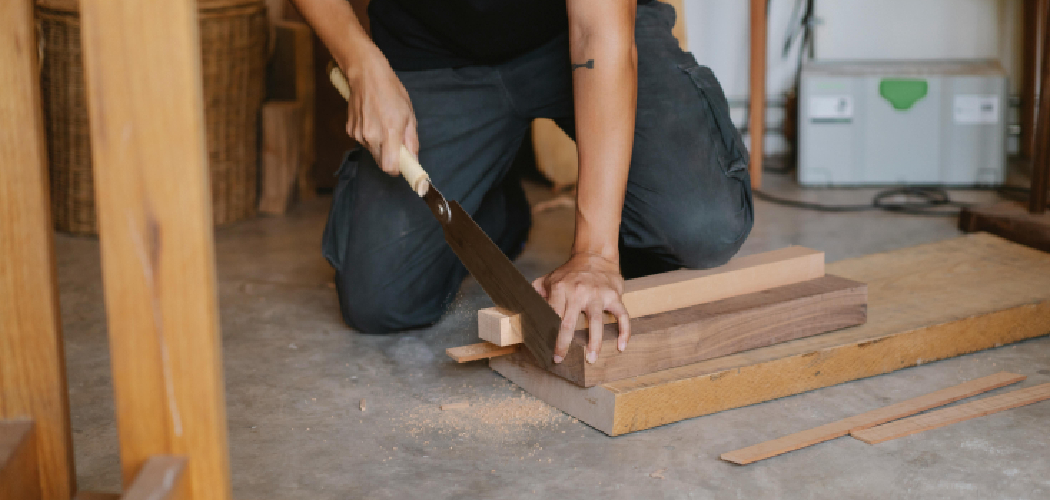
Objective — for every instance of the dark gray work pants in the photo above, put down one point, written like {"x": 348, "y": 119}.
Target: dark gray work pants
{"x": 688, "y": 199}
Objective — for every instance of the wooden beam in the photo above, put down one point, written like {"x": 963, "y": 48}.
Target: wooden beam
{"x": 481, "y": 350}
{"x": 954, "y": 414}
{"x": 1009, "y": 220}
{"x": 19, "y": 467}
{"x": 32, "y": 363}
{"x": 161, "y": 478}
{"x": 1029, "y": 74}
{"x": 1041, "y": 161}
{"x": 281, "y": 154}
{"x": 756, "y": 122}
{"x": 143, "y": 75}
{"x": 719, "y": 328}
{"x": 925, "y": 303}
{"x": 683, "y": 288}
{"x": 872, "y": 418}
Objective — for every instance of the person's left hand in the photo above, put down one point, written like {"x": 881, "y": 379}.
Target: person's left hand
{"x": 589, "y": 284}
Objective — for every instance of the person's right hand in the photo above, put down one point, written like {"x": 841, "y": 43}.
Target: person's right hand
{"x": 380, "y": 112}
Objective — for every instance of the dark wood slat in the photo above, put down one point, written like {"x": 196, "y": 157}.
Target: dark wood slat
{"x": 727, "y": 326}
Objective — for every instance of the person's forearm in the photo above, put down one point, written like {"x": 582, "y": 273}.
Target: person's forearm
{"x": 605, "y": 82}
{"x": 338, "y": 27}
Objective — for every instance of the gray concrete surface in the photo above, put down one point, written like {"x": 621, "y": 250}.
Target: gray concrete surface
{"x": 295, "y": 377}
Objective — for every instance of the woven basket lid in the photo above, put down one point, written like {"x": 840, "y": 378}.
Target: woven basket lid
{"x": 74, "y": 5}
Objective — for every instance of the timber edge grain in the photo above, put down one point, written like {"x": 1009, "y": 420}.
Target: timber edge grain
{"x": 672, "y": 290}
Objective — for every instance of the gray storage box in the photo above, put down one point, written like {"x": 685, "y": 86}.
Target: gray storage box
{"x": 914, "y": 122}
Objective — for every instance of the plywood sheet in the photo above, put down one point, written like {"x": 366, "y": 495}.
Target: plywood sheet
{"x": 925, "y": 303}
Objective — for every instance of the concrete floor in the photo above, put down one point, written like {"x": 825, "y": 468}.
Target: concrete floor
{"x": 295, "y": 377}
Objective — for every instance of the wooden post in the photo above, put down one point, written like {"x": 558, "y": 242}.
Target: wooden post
{"x": 281, "y": 153}
{"x": 1041, "y": 158}
{"x": 32, "y": 363}
{"x": 757, "y": 120}
{"x": 1029, "y": 74}
{"x": 143, "y": 76}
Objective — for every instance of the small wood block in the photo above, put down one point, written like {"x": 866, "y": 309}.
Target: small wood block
{"x": 281, "y": 140}
{"x": 1011, "y": 221}
{"x": 719, "y": 328}
{"x": 925, "y": 303}
{"x": 481, "y": 350}
{"x": 19, "y": 470}
{"x": 683, "y": 288}
{"x": 161, "y": 478}
{"x": 872, "y": 418}
{"x": 951, "y": 415}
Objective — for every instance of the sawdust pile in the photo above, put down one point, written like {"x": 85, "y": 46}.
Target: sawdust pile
{"x": 499, "y": 418}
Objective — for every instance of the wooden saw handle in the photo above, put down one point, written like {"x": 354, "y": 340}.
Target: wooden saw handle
{"x": 410, "y": 168}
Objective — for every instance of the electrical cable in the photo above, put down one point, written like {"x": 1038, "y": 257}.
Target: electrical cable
{"x": 918, "y": 200}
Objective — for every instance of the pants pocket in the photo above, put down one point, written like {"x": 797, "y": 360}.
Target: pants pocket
{"x": 733, "y": 156}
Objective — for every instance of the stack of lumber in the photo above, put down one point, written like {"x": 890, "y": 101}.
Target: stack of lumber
{"x": 685, "y": 316}
{"x": 925, "y": 303}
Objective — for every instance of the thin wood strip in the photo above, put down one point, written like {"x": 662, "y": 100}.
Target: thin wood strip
{"x": 32, "y": 362}
{"x": 757, "y": 106}
{"x": 872, "y": 418}
{"x": 19, "y": 468}
{"x": 954, "y": 414}
{"x": 683, "y": 288}
{"x": 1041, "y": 160}
{"x": 481, "y": 350}
{"x": 161, "y": 478}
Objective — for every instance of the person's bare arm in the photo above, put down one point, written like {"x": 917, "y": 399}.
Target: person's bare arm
{"x": 380, "y": 112}
{"x": 605, "y": 86}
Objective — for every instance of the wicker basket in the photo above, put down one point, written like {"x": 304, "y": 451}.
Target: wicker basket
{"x": 233, "y": 64}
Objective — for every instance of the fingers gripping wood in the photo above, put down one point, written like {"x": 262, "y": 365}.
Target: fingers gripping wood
{"x": 410, "y": 168}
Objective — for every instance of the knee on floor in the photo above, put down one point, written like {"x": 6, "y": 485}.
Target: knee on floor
{"x": 384, "y": 311}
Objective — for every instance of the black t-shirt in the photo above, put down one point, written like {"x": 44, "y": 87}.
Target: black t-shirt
{"x": 431, "y": 34}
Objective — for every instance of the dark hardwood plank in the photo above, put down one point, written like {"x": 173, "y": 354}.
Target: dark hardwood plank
{"x": 714, "y": 329}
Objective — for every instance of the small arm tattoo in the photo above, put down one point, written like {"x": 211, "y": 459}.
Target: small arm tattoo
{"x": 589, "y": 65}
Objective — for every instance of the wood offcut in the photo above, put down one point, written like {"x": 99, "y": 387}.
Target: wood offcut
{"x": 481, "y": 350}
{"x": 840, "y": 428}
{"x": 719, "y": 328}
{"x": 925, "y": 303}
{"x": 951, "y": 415}
{"x": 683, "y": 288}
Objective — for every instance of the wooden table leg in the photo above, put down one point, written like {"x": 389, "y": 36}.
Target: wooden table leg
{"x": 1029, "y": 75}
{"x": 757, "y": 120}
{"x": 1041, "y": 158}
{"x": 143, "y": 75}
{"x": 32, "y": 364}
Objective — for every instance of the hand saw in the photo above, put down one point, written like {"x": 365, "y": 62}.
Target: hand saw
{"x": 485, "y": 261}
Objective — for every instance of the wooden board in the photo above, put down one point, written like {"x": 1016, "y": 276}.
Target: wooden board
{"x": 951, "y": 415}
{"x": 1010, "y": 220}
{"x": 872, "y": 418}
{"x": 925, "y": 303}
{"x": 161, "y": 478}
{"x": 757, "y": 101}
{"x": 481, "y": 350}
{"x": 290, "y": 76}
{"x": 143, "y": 76}
{"x": 714, "y": 329}
{"x": 32, "y": 362}
{"x": 677, "y": 289}
{"x": 281, "y": 140}
{"x": 19, "y": 467}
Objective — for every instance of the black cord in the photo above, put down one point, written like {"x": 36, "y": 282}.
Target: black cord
{"x": 917, "y": 200}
